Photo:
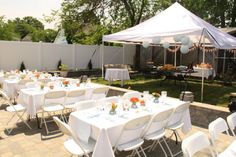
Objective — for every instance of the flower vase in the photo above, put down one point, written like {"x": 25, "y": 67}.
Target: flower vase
{"x": 156, "y": 100}
{"x": 134, "y": 105}
{"x": 112, "y": 112}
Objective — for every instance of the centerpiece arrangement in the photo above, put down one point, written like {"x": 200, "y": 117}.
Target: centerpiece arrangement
{"x": 37, "y": 75}
{"x": 134, "y": 101}
{"x": 113, "y": 108}
{"x": 66, "y": 83}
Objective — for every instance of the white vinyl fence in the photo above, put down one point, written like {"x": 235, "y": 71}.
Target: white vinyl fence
{"x": 45, "y": 56}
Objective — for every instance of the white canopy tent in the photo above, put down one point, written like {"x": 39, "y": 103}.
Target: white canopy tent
{"x": 172, "y": 22}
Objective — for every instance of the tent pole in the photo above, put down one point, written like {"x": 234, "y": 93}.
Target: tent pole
{"x": 203, "y": 61}
{"x": 224, "y": 62}
{"x": 102, "y": 56}
{"x": 123, "y": 57}
{"x": 175, "y": 54}
{"x": 164, "y": 56}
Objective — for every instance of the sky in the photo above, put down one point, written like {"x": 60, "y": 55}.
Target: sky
{"x": 36, "y": 8}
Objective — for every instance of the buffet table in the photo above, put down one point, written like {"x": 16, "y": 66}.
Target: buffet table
{"x": 96, "y": 123}
{"x": 117, "y": 74}
{"x": 207, "y": 72}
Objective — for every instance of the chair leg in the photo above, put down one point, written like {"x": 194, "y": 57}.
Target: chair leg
{"x": 168, "y": 147}
{"x": 162, "y": 148}
{"x": 138, "y": 152}
{"x": 11, "y": 118}
{"x": 143, "y": 151}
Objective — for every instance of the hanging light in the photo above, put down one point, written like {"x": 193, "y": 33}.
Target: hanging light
{"x": 156, "y": 40}
{"x": 146, "y": 44}
{"x": 184, "y": 49}
{"x": 166, "y": 45}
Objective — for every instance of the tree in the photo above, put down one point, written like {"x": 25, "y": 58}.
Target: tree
{"x": 27, "y": 25}
{"x": 33, "y": 22}
{"x": 7, "y": 30}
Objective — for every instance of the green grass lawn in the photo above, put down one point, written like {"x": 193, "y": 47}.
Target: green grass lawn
{"x": 214, "y": 93}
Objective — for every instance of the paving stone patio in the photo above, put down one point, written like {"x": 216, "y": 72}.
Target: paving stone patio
{"x": 24, "y": 142}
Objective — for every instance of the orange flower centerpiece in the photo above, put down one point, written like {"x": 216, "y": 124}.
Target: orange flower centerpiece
{"x": 37, "y": 75}
{"x": 156, "y": 97}
{"x": 113, "y": 108}
{"x": 66, "y": 83}
{"x": 142, "y": 102}
{"x": 134, "y": 101}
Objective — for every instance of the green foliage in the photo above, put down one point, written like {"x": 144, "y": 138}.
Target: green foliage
{"x": 18, "y": 29}
{"x": 22, "y": 66}
{"x": 63, "y": 67}
{"x": 86, "y": 21}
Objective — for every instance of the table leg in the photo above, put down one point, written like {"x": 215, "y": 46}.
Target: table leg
{"x": 37, "y": 118}
{"x": 122, "y": 83}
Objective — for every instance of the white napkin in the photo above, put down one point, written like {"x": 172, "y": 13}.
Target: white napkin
{"x": 103, "y": 146}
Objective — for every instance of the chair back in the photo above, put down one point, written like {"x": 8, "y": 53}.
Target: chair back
{"x": 44, "y": 80}
{"x": 133, "y": 130}
{"x": 216, "y": 127}
{"x": 231, "y": 120}
{"x": 178, "y": 114}
{"x": 131, "y": 94}
{"x": 24, "y": 81}
{"x": 100, "y": 92}
{"x": 195, "y": 143}
{"x": 65, "y": 128}
{"x": 55, "y": 97}
{"x": 82, "y": 105}
{"x": 12, "y": 76}
{"x": 32, "y": 84}
{"x": 112, "y": 99}
{"x": 75, "y": 96}
{"x": 159, "y": 121}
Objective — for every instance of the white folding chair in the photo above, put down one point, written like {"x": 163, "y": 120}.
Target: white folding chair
{"x": 129, "y": 95}
{"x": 156, "y": 130}
{"x": 100, "y": 92}
{"x": 130, "y": 138}
{"x": 215, "y": 128}
{"x": 196, "y": 143}
{"x": 16, "y": 109}
{"x": 73, "y": 145}
{"x": 86, "y": 104}
{"x": 231, "y": 120}
{"x": 176, "y": 122}
{"x": 53, "y": 103}
{"x": 74, "y": 96}
{"x": 22, "y": 84}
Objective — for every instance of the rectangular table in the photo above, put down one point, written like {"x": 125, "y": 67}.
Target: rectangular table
{"x": 93, "y": 122}
{"x": 207, "y": 72}
{"x": 117, "y": 74}
{"x": 33, "y": 98}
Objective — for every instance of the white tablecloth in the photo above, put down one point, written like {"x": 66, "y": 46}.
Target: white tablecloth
{"x": 33, "y": 98}
{"x": 207, "y": 72}
{"x": 117, "y": 74}
{"x": 10, "y": 87}
{"x": 97, "y": 119}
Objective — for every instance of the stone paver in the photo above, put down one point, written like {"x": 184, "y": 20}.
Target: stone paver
{"x": 33, "y": 143}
